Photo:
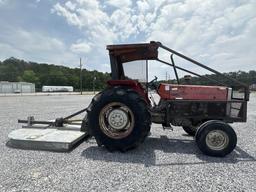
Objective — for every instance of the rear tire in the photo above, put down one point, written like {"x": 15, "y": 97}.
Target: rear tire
{"x": 216, "y": 138}
{"x": 119, "y": 119}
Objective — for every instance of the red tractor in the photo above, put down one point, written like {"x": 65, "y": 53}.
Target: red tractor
{"x": 120, "y": 117}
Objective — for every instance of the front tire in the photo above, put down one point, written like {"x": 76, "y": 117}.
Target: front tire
{"x": 216, "y": 138}
{"x": 119, "y": 119}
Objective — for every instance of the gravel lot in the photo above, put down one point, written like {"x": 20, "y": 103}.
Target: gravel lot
{"x": 167, "y": 161}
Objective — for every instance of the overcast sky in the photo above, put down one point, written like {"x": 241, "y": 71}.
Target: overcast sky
{"x": 219, "y": 33}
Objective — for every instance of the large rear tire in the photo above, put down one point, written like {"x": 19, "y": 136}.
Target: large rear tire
{"x": 216, "y": 138}
{"x": 119, "y": 119}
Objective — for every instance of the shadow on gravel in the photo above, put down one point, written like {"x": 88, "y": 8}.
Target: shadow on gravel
{"x": 173, "y": 149}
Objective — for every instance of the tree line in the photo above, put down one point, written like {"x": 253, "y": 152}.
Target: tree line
{"x": 14, "y": 69}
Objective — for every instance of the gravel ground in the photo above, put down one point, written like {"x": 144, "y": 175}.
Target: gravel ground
{"x": 167, "y": 161}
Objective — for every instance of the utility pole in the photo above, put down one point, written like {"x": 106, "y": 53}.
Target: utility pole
{"x": 81, "y": 85}
{"x": 147, "y": 74}
{"x": 93, "y": 85}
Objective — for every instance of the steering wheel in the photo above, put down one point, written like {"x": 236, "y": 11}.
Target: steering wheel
{"x": 153, "y": 84}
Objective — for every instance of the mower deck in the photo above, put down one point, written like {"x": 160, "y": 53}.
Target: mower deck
{"x": 39, "y": 137}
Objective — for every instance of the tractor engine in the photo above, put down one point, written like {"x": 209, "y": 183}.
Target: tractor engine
{"x": 190, "y": 105}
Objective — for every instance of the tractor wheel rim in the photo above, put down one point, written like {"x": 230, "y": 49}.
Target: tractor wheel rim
{"x": 217, "y": 140}
{"x": 116, "y": 120}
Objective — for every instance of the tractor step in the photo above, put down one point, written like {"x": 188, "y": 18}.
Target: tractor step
{"x": 39, "y": 137}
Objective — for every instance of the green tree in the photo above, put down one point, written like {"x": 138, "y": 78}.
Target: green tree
{"x": 29, "y": 76}
{"x": 56, "y": 77}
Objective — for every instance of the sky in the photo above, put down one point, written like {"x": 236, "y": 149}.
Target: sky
{"x": 221, "y": 34}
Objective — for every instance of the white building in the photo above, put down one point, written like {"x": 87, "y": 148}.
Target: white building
{"x": 46, "y": 88}
{"x": 16, "y": 87}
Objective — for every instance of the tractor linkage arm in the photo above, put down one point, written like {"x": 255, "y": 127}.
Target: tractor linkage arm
{"x": 58, "y": 122}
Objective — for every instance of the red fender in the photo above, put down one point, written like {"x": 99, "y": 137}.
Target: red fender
{"x": 135, "y": 85}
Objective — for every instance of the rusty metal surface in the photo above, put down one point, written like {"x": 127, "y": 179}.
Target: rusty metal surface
{"x": 132, "y": 52}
